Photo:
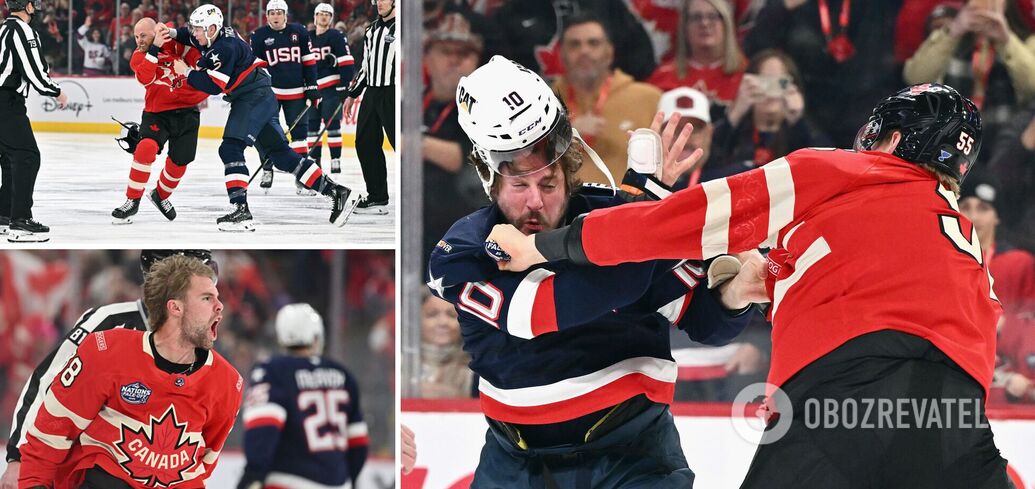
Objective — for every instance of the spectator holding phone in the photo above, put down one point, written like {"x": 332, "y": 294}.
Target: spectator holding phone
{"x": 766, "y": 121}
{"x": 983, "y": 57}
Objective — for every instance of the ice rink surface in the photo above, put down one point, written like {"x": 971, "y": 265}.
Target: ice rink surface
{"x": 84, "y": 176}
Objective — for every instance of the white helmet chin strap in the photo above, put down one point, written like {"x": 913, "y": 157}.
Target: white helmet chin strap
{"x": 596, "y": 160}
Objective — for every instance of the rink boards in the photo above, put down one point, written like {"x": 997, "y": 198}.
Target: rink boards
{"x": 450, "y": 435}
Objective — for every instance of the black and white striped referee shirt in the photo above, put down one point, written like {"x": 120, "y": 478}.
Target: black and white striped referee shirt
{"x": 378, "y": 69}
{"x": 21, "y": 62}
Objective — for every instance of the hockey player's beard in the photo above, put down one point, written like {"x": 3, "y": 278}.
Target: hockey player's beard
{"x": 534, "y": 222}
{"x": 202, "y": 334}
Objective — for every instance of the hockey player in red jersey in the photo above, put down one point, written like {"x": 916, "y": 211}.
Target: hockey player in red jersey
{"x": 878, "y": 287}
{"x": 129, "y": 315}
{"x": 170, "y": 115}
{"x": 135, "y": 409}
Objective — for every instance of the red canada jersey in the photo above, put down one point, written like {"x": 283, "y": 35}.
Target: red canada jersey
{"x": 112, "y": 407}
{"x": 165, "y": 90}
{"x": 860, "y": 242}
{"x": 720, "y": 87}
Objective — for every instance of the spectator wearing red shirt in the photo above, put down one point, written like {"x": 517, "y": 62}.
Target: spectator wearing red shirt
{"x": 1012, "y": 269}
{"x": 125, "y": 17}
{"x": 708, "y": 57}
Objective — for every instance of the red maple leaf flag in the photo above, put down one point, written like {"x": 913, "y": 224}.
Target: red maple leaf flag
{"x": 158, "y": 455}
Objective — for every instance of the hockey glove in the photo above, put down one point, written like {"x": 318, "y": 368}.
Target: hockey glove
{"x": 312, "y": 92}
{"x": 329, "y": 60}
{"x": 721, "y": 269}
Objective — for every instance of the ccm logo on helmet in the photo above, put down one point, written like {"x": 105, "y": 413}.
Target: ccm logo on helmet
{"x": 530, "y": 126}
{"x": 466, "y": 101}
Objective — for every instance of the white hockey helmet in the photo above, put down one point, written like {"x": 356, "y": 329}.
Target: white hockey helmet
{"x": 324, "y": 8}
{"x": 507, "y": 111}
{"x": 298, "y": 325}
{"x": 205, "y": 16}
{"x": 277, "y": 5}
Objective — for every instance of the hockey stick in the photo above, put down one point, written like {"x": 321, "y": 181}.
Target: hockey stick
{"x": 325, "y": 127}
{"x": 267, "y": 159}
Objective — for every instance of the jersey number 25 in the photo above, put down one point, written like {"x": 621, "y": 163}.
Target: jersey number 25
{"x": 327, "y": 428}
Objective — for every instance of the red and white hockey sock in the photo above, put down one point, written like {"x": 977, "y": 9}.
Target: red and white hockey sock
{"x": 311, "y": 175}
{"x": 140, "y": 170}
{"x": 171, "y": 175}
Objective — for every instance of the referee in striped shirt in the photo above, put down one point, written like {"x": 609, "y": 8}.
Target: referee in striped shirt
{"x": 377, "y": 110}
{"x": 21, "y": 64}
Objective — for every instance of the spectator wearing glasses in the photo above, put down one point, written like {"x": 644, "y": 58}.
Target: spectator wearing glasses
{"x": 708, "y": 57}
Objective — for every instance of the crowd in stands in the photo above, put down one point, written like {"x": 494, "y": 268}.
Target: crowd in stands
{"x": 43, "y": 293}
{"x": 759, "y": 79}
{"x": 101, "y": 31}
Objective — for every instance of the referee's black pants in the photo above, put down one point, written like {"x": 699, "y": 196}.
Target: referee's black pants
{"x": 828, "y": 446}
{"x": 19, "y": 157}
{"x": 376, "y": 118}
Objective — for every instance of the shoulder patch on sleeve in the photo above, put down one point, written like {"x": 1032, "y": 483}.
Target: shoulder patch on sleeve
{"x": 102, "y": 343}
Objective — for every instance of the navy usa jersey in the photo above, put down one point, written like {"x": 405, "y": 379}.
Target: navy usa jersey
{"x": 223, "y": 65}
{"x": 287, "y": 55}
{"x": 334, "y": 62}
{"x": 303, "y": 424}
{"x": 558, "y": 342}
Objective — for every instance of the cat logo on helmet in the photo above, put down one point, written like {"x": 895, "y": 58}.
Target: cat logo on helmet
{"x": 466, "y": 101}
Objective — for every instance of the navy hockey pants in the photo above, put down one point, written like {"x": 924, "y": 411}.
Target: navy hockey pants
{"x": 292, "y": 109}
{"x": 253, "y": 120}
{"x": 644, "y": 452}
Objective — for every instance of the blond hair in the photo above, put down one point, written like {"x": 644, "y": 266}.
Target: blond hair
{"x": 168, "y": 280}
{"x": 733, "y": 59}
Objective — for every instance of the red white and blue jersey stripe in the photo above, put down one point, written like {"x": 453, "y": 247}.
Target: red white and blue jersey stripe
{"x": 289, "y": 58}
{"x": 559, "y": 342}
{"x": 223, "y": 65}
{"x": 303, "y": 423}
{"x": 332, "y": 43}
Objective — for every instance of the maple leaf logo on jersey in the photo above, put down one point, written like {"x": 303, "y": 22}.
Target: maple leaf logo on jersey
{"x": 158, "y": 454}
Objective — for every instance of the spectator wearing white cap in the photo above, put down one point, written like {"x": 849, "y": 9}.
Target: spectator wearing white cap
{"x": 694, "y": 108}
{"x": 1012, "y": 268}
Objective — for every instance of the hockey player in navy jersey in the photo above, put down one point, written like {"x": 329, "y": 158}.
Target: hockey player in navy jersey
{"x": 227, "y": 66}
{"x": 304, "y": 428}
{"x": 334, "y": 70}
{"x": 575, "y": 366}
{"x": 128, "y": 315}
{"x": 285, "y": 48}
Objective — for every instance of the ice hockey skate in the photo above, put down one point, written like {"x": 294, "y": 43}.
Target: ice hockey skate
{"x": 343, "y": 205}
{"x": 124, "y": 213}
{"x": 27, "y": 231}
{"x": 164, "y": 206}
{"x": 239, "y": 220}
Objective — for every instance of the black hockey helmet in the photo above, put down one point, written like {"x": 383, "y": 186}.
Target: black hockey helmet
{"x": 129, "y": 135}
{"x": 149, "y": 257}
{"x": 19, "y": 5}
{"x": 940, "y": 127}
